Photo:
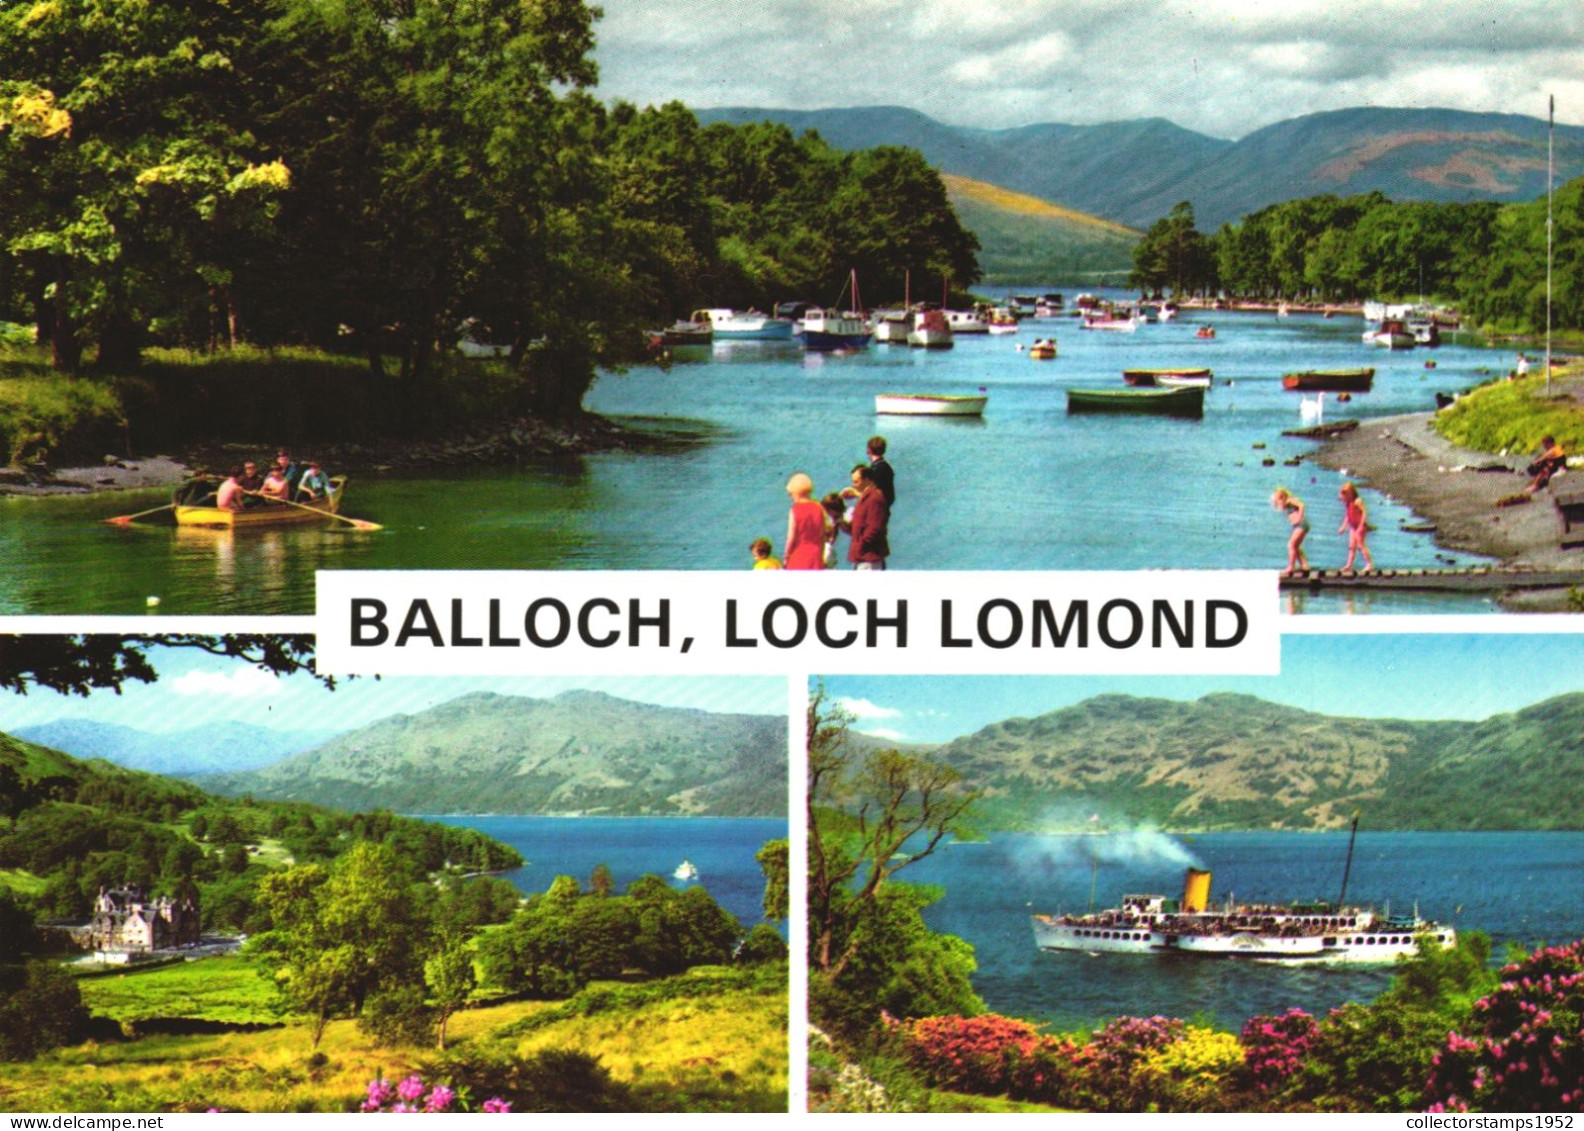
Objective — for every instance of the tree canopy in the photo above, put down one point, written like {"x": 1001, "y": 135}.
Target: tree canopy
{"x": 371, "y": 177}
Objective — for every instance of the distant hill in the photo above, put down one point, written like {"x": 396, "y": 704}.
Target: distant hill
{"x": 1023, "y": 238}
{"x": 1237, "y": 762}
{"x": 1134, "y": 172}
{"x": 580, "y": 752}
{"x": 213, "y": 748}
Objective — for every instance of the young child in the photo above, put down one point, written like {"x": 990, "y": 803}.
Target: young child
{"x": 1355, "y": 521}
{"x": 763, "y": 559}
{"x": 837, "y": 511}
{"x": 1285, "y": 501}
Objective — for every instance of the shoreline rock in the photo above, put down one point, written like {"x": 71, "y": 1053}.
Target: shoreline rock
{"x": 500, "y": 445}
{"x": 1457, "y": 491}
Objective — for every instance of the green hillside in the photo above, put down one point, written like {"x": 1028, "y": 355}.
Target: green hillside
{"x": 580, "y": 752}
{"x": 1237, "y": 762}
{"x": 1026, "y": 240}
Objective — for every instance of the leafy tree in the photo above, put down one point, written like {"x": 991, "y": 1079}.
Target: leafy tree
{"x": 40, "y": 1008}
{"x": 872, "y": 812}
{"x": 342, "y": 933}
{"x": 77, "y": 665}
{"x": 1173, "y": 254}
{"x": 774, "y": 860}
{"x": 130, "y": 160}
{"x": 449, "y": 975}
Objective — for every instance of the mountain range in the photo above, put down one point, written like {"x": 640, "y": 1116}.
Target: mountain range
{"x": 1134, "y": 172}
{"x": 581, "y": 752}
{"x": 1238, "y": 762}
{"x": 208, "y": 749}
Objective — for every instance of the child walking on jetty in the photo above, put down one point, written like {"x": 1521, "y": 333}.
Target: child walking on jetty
{"x": 1285, "y": 501}
{"x": 1355, "y": 521}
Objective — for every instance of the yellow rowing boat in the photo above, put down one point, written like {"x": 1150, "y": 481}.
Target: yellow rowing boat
{"x": 265, "y": 513}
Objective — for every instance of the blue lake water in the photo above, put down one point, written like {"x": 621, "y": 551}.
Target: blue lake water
{"x": 721, "y": 848}
{"x": 1524, "y": 888}
{"x": 1025, "y": 487}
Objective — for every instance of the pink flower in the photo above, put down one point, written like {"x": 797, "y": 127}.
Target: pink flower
{"x": 411, "y": 1089}
{"x": 496, "y": 1105}
{"x": 439, "y": 1099}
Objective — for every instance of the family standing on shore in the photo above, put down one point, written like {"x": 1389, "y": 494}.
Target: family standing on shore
{"x": 1355, "y": 524}
{"x": 862, "y": 510}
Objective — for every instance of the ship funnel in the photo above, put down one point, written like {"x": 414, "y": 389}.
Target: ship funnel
{"x": 1196, "y": 890}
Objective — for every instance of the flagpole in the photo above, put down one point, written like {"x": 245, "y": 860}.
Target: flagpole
{"x": 1550, "y": 180}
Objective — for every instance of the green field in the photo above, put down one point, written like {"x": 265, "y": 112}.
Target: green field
{"x": 711, "y": 1040}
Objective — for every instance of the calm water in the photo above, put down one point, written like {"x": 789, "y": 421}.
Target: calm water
{"x": 1026, "y": 487}
{"x": 1517, "y": 887}
{"x": 722, "y": 848}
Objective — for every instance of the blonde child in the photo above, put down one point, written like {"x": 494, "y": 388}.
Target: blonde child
{"x": 1355, "y": 521}
{"x": 1285, "y": 501}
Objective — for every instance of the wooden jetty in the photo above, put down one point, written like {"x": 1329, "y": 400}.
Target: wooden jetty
{"x": 1469, "y": 580}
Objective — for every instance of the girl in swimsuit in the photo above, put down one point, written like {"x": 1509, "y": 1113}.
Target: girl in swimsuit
{"x": 1284, "y": 500}
{"x": 1355, "y": 520}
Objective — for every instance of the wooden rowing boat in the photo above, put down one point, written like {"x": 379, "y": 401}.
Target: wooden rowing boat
{"x": 266, "y": 513}
{"x": 1157, "y": 402}
{"x": 1169, "y": 378}
{"x": 1330, "y": 381}
{"x": 924, "y": 404}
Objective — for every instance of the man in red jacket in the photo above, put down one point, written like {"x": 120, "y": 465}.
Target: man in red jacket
{"x": 868, "y": 548}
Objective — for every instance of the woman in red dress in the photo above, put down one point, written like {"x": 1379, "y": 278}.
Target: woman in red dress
{"x": 805, "y": 540}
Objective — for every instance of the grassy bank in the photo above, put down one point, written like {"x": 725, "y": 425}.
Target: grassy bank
{"x": 1512, "y": 416}
{"x": 180, "y": 401}
{"x": 711, "y": 1040}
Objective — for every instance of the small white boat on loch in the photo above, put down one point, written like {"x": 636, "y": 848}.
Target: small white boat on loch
{"x": 930, "y": 331}
{"x": 748, "y": 325}
{"x": 927, "y": 404}
{"x": 686, "y": 871}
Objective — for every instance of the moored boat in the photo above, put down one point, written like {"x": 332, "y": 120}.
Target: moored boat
{"x": 747, "y": 325}
{"x": 1043, "y": 350}
{"x": 929, "y": 404}
{"x": 1187, "y": 402}
{"x": 1312, "y": 932}
{"x": 265, "y": 513}
{"x": 1330, "y": 380}
{"x": 1173, "y": 378}
{"x": 1001, "y": 320}
{"x": 833, "y": 330}
{"x": 682, "y": 333}
{"x": 1205, "y": 332}
{"x": 930, "y": 331}
{"x": 966, "y": 322}
{"x": 892, "y": 326}
{"x": 1392, "y": 334}
{"x": 1121, "y": 320}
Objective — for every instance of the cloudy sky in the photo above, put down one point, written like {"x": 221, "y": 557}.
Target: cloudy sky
{"x": 1221, "y": 67}
{"x": 195, "y": 689}
{"x": 1402, "y": 676}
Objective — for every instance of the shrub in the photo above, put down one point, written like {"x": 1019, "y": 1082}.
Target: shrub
{"x": 1108, "y": 1065}
{"x": 763, "y": 944}
{"x": 1274, "y": 1048}
{"x": 1196, "y": 1073}
{"x": 399, "y": 1017}
{"x": 1525, "y": 1048}
{"x": 551, "y": 1080}
{"x": 967, "y": 1054}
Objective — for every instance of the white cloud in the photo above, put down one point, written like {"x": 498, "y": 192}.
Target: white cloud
{"x": 888, "y": 735}
{"x": 864, "y": 709}
{"x": 1222, "y": 67}
{"x": 239, "y": 683}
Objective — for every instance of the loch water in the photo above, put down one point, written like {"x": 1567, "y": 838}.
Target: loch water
{"x": 1523, "y": 888}
{"x": 1025, "y": 487}
{"x": 721, "y": 848}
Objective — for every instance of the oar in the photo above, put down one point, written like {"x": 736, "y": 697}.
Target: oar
{"x": 124, "y": 519}
{"x": 357, "y": 523}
